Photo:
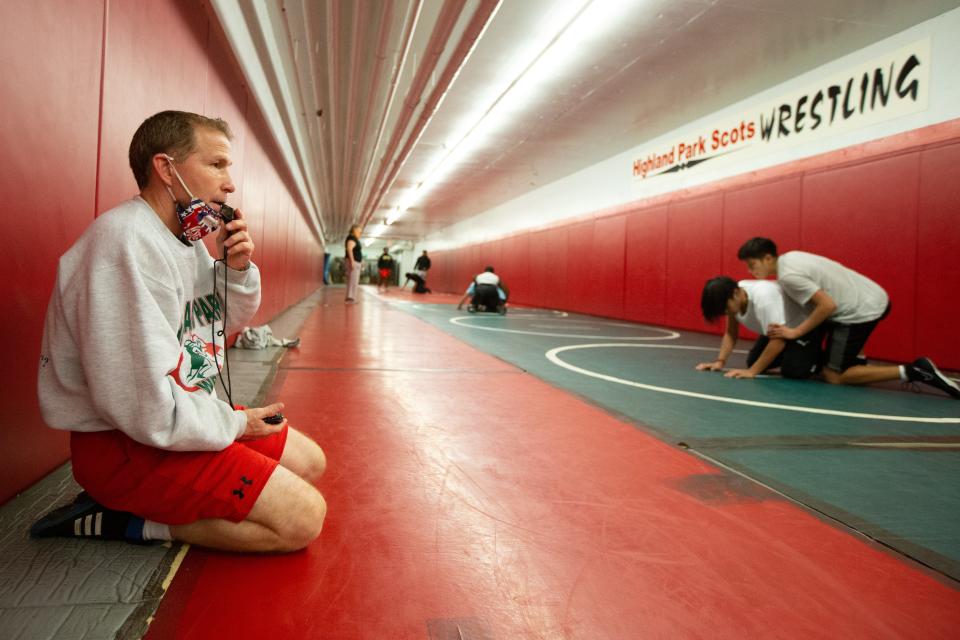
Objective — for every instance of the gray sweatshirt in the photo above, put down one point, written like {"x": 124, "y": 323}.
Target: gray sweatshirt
{"x": 128, "y": 333}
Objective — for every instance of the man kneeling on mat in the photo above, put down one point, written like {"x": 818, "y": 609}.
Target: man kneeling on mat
{"x": 129, "y": 365}
{"x": 847, "y": 305}
{"x": 757, "y": 304}
{"x": 486, "y": 293}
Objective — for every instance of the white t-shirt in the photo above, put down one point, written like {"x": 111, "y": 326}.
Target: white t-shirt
{"x": 487, "y": 277}
{"x": 859, "y": 299}
{"x": 767, "y": 305}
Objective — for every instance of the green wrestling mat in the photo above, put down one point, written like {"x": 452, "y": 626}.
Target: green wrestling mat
{"x": 879, "y": 459}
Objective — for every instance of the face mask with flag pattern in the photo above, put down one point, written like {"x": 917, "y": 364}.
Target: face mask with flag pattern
{"x": 197, "y": 219}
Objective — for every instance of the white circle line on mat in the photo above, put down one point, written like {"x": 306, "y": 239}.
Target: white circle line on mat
{"x": 552, "y": 356}
{"x": 670, "y": 335}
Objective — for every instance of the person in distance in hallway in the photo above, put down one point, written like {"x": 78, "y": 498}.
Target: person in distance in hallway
{"x": 486, "y": 292}
{"x": 128, "y": 366}
{"x": 757, "y": 304}
{"x": 385, "y": 270}
{"x": 849, "y": 306}
{"x": 420, "y": 268}
{"x": 353, "y": 257}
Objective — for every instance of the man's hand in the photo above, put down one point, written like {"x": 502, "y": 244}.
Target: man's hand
{"x": 716, "y": 365}
{"x": 256, "y": 427}
{"x": 234, "y": 237}
{"x": 739, "y": 373}
{"x": 782, "y": 331}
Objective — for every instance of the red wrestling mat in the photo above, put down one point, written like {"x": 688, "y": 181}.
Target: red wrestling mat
{"x": 479, "y": 502}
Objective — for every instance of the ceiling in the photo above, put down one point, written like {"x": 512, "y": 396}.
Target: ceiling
{"x": 369, "y": 100}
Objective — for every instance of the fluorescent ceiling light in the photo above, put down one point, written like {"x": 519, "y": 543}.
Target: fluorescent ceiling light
{"x": 568, "y": 29}
{"x": 375, "y": 232}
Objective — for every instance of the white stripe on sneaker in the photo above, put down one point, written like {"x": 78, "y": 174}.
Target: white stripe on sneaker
{"x": 76, "y": 526}
{"x": 96, "y": 526}
{"x": 86, "y": 524}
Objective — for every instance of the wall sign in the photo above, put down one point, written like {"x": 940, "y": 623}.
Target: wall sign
{"x": 886, "y": 87}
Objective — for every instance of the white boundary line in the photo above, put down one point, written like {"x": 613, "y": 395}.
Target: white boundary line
{"x": 671, "y": 335}
{"x": 552, "y": 356}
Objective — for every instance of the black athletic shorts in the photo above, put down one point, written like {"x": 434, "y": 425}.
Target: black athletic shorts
{"x": 846, "y": 341}
{"x": 800, "y": 358}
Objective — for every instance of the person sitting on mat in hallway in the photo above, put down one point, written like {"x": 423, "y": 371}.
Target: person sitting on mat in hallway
{"x": 132, "y": 376}
{"x": 486, "y": 292}
{"x": 420, "y": 268}
{"x": 848, "y": 304}
{"x": 758, "y": 304}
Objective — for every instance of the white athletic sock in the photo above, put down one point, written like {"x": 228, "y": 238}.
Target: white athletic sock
{"x": 903, "y": 373}
{"x": 156, "y": 531}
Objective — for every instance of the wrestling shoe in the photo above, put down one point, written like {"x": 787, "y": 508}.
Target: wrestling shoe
{"x": 923, "y": 370}
{"x": 85, "y": 518}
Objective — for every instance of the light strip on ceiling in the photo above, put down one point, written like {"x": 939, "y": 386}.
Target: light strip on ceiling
{"x": 241, "y": 40}
{"x": 567, "y": 31}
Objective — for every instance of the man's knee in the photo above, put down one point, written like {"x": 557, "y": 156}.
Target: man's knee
{"x": 291, "y": 508}
{"x": 302, "y": 522}
{"x": 316, "y": 465}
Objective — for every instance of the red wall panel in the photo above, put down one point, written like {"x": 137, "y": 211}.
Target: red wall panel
{"x": 606, "y": 268}
{"x": 645, "y": 280}
{"x": 865, "y": 217}
{"x": 938, "y": 256}
{"x": 50, "y": 110}
{"x": 515, "y": 267}
{"x": 156, "y": 55}
{"x": 581, "y": 265}
{"x": 154, "y": 61}
{"x": 557, "y": 293}
{"x": 541, "y": 271}
{"x": 694, "y": 254}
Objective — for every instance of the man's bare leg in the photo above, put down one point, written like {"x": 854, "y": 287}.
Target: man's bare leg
{"x": 287, "y": 521}
{"x": 287, "y": 516}
{"x": 862, "y": 374}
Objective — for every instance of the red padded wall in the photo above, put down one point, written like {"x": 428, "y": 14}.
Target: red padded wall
{"x": 693, "y": 256}
{"x": 153, "y": 61}
{"x": 515, "y": 266}
{"x": 581, "y": 266}
{"x": 605, "y": 295}
{"x": 541, "y": 269}
{"x": 50, "y": 111}
{"x": 167, "y": 54}
{"x": 557, "y": 294}
{"x": 645, "y": 280}
{"x": 938, "y": 253}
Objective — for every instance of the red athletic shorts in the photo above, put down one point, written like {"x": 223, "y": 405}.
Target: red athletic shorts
{"x": 174, "y": 487}
{"x": 384, "y": 274}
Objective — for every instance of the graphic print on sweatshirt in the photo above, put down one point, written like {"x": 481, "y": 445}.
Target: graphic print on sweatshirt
{"x": 197, "y": 369}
